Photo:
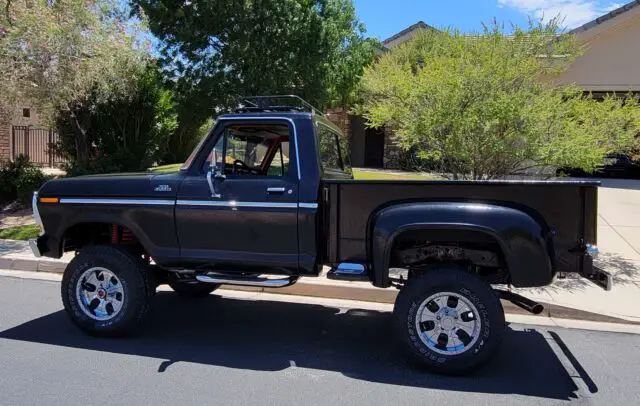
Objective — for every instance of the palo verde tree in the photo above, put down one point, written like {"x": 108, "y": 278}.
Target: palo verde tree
{"x": 484, "y": 106}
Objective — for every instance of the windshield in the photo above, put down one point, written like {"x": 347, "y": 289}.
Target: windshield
{"x": 194, "y": 153}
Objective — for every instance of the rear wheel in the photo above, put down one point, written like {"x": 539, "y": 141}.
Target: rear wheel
{"x": 107, "y": 291}
{"x": 449, "y": 320}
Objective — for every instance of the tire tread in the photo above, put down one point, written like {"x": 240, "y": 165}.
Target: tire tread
{"x": 419, "y": 287}
{"x": 137, "y": 276}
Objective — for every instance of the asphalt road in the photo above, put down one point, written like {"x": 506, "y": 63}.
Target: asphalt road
{"x": 239, "y": 352}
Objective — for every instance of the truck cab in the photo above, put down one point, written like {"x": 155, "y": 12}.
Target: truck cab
{"x": 256, "y": 184}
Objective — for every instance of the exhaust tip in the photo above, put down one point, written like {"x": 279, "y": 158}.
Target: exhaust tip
{"x": 527, "y": 304}
{"x": 537, "y": 309}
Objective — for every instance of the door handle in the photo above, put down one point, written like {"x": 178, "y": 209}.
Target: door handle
{"x": 275, "y": 190}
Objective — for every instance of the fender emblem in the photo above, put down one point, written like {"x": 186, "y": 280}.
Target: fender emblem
{"x": 162, "y": 188}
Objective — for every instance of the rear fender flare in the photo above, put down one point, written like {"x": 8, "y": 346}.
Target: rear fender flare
{"x": 521, "y": 238}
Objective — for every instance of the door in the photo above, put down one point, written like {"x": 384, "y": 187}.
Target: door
{"x": 248, "y": 220}
{"x": 374, "y": 148}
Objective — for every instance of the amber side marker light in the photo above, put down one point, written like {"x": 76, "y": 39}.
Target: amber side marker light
{"x": 49, "y": 200}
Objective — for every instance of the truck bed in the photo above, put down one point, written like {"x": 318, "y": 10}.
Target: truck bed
{"x": 569, "y": 208}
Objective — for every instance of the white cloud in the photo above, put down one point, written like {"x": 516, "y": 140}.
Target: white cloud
{"x": 573, "y": 12}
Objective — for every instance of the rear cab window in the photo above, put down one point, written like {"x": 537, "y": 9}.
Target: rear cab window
{"x": 333, "y": 151}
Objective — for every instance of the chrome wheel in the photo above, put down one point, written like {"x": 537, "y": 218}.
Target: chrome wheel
{"x": 448, "y": 323}
{"x": 100, "y": 293}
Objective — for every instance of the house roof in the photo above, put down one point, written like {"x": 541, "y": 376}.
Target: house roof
{"x": 606, "y": 17}
{"x": 405, "y": 34}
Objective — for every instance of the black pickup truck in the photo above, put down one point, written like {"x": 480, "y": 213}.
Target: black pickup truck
{"x": 268, "y": 197}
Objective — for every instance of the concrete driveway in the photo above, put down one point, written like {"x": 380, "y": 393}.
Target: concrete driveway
{"x": 619, "y": 218}
{"x": 619, "y": 243}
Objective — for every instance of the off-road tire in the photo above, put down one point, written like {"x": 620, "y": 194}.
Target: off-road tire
{"x": 192, "y": 290}
{"x": 137, "y": 282}
{"x": 449, "y": 279}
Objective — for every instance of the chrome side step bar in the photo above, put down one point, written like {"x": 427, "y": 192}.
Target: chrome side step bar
{"x": 247, "y": 280}
{"x": 349, "y": 272}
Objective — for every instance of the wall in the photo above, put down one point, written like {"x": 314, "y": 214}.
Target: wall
{"x": 340, "y": 118}
{"x": 611, "y": 59}
{"x": 33, "y": 119}
{"x": 17, "y": 119}
{"x": 5, "y": 147}
{"x": 391, "y": 152}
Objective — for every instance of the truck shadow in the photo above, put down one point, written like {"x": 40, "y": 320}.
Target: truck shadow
{"x": 274, "y": 336}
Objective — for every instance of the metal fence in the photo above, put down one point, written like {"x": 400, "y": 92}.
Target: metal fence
{"x": 37, "y": 144}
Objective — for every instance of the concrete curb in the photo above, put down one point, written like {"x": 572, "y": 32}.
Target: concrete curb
{"x": 35, "y": 264}
{"x": 324, "y": 288}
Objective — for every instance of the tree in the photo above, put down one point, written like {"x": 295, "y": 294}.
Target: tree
{"x": 216, "y": 51}
{"x": 127, "y": 133}
{"x": 69, "y": 56}
{"x": 483, "y": 105}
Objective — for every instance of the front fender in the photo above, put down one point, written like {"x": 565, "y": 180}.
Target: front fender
{"x": 521, "y": 238}
{"x": 153, "y": 226}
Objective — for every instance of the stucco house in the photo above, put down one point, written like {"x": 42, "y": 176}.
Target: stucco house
{"x": 22, "y": 116}
{"x": 25, "y": 132}
{"x": 610, "y": 63}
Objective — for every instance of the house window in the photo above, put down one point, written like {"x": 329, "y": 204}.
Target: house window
{"x": 26, "y": 113}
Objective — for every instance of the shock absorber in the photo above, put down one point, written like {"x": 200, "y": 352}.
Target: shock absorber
{"x": 114, "y": 234}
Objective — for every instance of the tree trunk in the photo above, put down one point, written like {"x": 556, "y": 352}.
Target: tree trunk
{"x": 80, "y": 120}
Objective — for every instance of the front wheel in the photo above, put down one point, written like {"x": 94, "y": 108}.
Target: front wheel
{"x": 107, "y": 291}
{"x": 449, "y": 320}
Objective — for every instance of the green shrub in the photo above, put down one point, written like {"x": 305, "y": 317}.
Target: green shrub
{"x": 7, "y": 190}
{"x": 28, "y": 182}
{"x": 19, "y": 179}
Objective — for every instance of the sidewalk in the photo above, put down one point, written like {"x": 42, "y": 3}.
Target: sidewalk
{"x": 618, "y": 239}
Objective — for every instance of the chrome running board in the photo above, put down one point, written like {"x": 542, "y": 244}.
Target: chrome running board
{"x": 349, "y": 272}
{"x": 240, "y": 280}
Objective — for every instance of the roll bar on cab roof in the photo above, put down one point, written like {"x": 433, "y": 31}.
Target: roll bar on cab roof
{"x": 277, "y": 103}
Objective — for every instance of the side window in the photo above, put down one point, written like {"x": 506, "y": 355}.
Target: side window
{"x": 343, "y": 144}
{"x": 280, "y": 163}
{"x": 333, "y": 150}
{"x": 253, "y": 150}
{"x": 328, "y": 143}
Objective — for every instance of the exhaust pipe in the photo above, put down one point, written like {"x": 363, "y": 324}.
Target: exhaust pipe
{"x": 521, "y": 301}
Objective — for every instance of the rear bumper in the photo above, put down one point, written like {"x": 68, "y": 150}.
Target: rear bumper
{"x": 601, "y": 278}
{"x": 596, "y": 275}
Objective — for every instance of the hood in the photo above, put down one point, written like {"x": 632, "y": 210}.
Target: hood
{"x": 142, "y": 184}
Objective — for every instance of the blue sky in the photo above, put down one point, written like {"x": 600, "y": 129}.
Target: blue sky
{"x": 384, "y": 18}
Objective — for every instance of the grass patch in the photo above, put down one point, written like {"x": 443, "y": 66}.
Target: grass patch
{"x": 20, "y": 232}
{"x": 365, "y": 175}
{"x": 166, "y": 168}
